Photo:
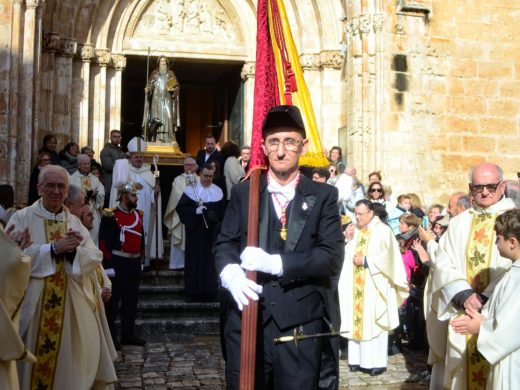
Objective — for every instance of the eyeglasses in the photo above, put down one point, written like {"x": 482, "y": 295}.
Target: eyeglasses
{"x": 375, "y": 190}
{"x": 478, "y": 188}
{"x": 290, "y": 144}
{"x": 61, "y": 187}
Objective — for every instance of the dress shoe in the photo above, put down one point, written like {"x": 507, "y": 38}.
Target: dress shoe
{"x": 354, "y": 367}
{"x": 377, "y": 371}
{"x": 133, "y": 341}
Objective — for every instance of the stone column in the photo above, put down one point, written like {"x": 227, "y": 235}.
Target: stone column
{"x": 37, "y": 137}
{"x": 13, "y": 67}
{"x": 99, "y": 100}
{"x": 355, "y": 92}
{"x": 310, "y": 64}
{"x": 62, "y": 114}
{"x": 51, "y": 44}
{"x": 81, "y": 95}
{"x": 330, "y": 64}
{"x": 378, "y": 22}
{"x": 363, "y": 66}
{"x": 26, "y": 107}
{"x": 365, "y": 24}
{"x": 248, "y": 78}
{"x": 119, "y": 63}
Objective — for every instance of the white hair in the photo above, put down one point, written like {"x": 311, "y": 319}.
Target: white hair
{"x": 82, "y": 157}
{"x": 53, "y": 169}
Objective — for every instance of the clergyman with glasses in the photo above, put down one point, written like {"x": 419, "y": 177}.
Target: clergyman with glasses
{"x": 57, "y": 316}
{"x": 466, "y": 270}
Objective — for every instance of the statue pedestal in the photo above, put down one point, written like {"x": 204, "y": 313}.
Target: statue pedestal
{"x": 169, "y": 154}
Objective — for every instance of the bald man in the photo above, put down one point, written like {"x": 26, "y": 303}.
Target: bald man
{"x": 457, "y": 203}
{"x": 467, "y": 268}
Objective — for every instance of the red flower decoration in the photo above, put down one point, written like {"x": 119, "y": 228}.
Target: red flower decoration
{"x": 50, "y": 323}
{"x": 55, "y": 236}
{"x": 44, "y": 368}
{"x": 480, "y": 377}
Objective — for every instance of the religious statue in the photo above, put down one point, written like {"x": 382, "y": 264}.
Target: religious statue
{"x": 161, "y": 108}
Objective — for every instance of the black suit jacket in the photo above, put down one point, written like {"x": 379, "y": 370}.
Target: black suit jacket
{"x": 312, "y": 257}
{"x": 215, "y": 156}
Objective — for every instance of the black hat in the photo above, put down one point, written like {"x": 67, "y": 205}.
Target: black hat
{"x": 283, "y": 116}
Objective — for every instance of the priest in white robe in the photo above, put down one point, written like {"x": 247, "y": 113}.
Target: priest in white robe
{"x": 171, "y": 217}
{"x": 148, "y": 196}
{"x": 15, "y": 269}
{"x": 94, "y": 190}
{"x": 497, "y": 340}
{"x": 371, "y": 288}
{"x": 468, "y": 267}
{"x": 57, "y": 316}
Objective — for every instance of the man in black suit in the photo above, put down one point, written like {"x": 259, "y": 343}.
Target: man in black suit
{"x": 298, "y": 261}
{"x": 209, "y": 154}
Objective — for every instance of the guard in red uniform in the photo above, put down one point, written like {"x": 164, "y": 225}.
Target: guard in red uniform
{"x": 121, "y": 238}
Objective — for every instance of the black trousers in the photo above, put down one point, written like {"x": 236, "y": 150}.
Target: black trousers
{"x": 125, "y": 291}
{"x": 278, "y": 366}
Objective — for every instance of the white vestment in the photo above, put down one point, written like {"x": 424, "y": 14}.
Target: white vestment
{"x": 83, "y": 359}
{"x": 233, "y": 171}
{"x": 174, "y": 224}
{"x": 449, "y": 278}
{"x": 146, "y": 203}
{"x": 15, "y": 269}
{"x": 384, "y": 289}
{"x": 499, "y": 338}
{"x": 344, "y": 185}
{"x": 96, "y": 203}
{"x": 439, "y": 329}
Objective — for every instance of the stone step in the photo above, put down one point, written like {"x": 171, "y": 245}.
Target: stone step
{"x": 163, "y": 277}
{"x": 176, "y": 309}
{"x": 180, "y": 326}
{"x": 161, "y": 292}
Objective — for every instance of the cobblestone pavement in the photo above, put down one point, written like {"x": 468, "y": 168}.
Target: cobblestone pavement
{"x": 193, "y": 362}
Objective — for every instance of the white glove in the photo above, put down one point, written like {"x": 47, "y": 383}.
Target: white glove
{"x": 200, "y": 209}
{"x": 111, "y": 273}
{"x": 256, "y": 259}
{"x": 234, "y": 279}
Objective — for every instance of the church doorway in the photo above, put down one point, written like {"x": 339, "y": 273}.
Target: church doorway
{"x": 211, "y": 100}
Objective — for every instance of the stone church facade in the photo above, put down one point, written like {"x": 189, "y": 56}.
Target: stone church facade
{"x": 420, "y": 90}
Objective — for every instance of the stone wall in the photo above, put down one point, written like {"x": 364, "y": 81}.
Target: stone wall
{"x": 451, "y": 93}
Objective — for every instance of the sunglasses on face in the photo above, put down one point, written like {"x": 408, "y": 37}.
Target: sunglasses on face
{"x": 478, "y": 188}
{"x": 375, "y": 190}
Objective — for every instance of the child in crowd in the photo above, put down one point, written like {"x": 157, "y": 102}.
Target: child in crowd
{"x": 498, "y": 337}
{"x": 416, "y": 272}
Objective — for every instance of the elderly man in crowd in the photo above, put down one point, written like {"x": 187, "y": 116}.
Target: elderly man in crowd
{"x": 94, "y": 190}
{"x": 468, "y": 266}
{"x": 60, "y": 294}
{"x": 457, "y": 203}
{"x": 171, "y": 217}
{"x": 372, "y": 286}
{"x": 101, "y": 284}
